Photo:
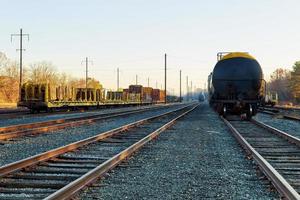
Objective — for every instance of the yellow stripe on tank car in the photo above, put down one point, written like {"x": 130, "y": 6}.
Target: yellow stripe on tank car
{"x": 237, "y": 55}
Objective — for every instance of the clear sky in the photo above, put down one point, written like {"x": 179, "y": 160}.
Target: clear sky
{"x": 134, "y": 34}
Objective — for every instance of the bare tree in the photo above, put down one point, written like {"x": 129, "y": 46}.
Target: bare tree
{"x": 279, "y": 83}
{"x": 63, "y": 79}
{"x": 43, "y": 72}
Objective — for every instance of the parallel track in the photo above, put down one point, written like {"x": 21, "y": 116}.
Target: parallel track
{"x": 62, "y": 172}
{"x": 14, "y": 131}
{"x": 278, "y": 111}
{"x": 276, "y": 153}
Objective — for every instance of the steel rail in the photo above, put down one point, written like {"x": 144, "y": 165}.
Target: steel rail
{"x": 15, "y": 166}
{"x": 42, "y": 127}
{"x": 69, "y": 190}
{"x": 55, "y": 121}
{"x": 278, "y": 132}
{"x": 282, "y": 186}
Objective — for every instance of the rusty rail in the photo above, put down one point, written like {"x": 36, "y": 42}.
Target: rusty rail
{"x": 72, "y": 188}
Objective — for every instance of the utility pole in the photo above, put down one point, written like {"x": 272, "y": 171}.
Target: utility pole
{"x": 165, "y": 78}
{"x": 136, "y": 79}
{"x": 148, "y": 81}
{"x": 86, "y": 72}
{"x": 192, "y": 90}
{"x": 86, "y": 61}
{"x": 21, "y": 35}
{"x": 187, "y": 88}
{"x": 118, "y": 79}
{"x": 180, "y": 85}
{"x": 86, "y": 76}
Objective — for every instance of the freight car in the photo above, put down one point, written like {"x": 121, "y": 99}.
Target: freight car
{"x": 236, "y": 84}
{"x": 114, "y": 96}
{"x": 147, "y": 94}
{"x": 39, "y": 97}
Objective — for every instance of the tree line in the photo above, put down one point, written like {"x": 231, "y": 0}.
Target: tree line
{"x": 38, "y": 72}
{"x": 286, "y": 83}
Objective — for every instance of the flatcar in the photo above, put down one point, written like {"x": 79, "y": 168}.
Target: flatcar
{"x": 236, "y": 84}
{"x": 39, "y": 97}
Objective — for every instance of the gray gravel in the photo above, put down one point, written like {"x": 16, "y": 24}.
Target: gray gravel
{"x": 39, "y": 118}
{"x": 32, "y": 145}
{"x": 196, "y": 159}
{"x": 292, "y": 127}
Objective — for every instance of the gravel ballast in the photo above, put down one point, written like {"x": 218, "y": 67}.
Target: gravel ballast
{"x": 196, "y": 159}
{"x": 38, "y": 118}
{"x": 31, "y": 145}
{"x": 291, "y": 127}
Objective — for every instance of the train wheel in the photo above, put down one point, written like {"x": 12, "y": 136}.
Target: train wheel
{"x": 219, "y": 108}
{"x": 249, "y": 112}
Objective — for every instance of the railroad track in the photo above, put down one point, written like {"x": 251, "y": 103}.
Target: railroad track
{"x": 14, "y": 131}
{"x": 62, "y": 172}
{"x": 275, "y": 152}
{"x": 278, "y": 112}
{"x": 26, "y": 113}
{"x": 13, "y": 114}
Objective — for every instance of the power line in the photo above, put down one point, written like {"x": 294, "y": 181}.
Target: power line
{"x": 21, "y": 35}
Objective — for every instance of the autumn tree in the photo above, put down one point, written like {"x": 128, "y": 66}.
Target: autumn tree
{"x": 9, "y": 79}
{"x": 295, "y": 81}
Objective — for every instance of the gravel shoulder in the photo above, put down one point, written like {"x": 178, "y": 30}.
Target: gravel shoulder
{"x": 196, "y": 159}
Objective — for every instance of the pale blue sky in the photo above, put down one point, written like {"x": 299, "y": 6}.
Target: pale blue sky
{"x": 134, "y": 34}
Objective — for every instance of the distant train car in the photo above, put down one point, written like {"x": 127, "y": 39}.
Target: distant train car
{"x": 235, "y": 85}
{"x": 137, "y": 89}
{"x": 201, "y": 97}
{"x": 162, "y": 95}
{"x": 155, "y": 95}
{"x": 147, "y": 94}
{"x": 136, "y": 92}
